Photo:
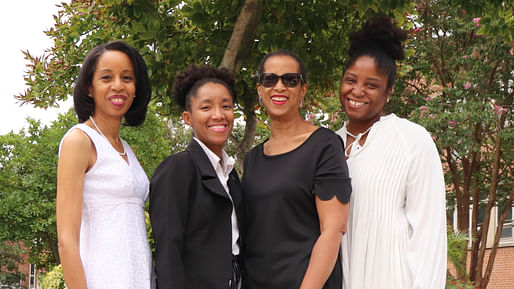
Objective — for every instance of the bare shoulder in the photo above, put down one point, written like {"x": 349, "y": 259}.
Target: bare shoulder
{"x": 77, "y": 143}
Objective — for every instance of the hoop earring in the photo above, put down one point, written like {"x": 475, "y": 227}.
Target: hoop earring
{"x": 260, "y": 101}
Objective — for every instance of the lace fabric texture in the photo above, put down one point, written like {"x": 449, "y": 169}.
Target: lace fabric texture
{"x": 113, "y": 241}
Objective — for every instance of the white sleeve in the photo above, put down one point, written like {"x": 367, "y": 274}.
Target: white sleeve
{"x": 426, "y": 213}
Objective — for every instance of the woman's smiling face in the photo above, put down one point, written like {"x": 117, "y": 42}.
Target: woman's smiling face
{"x": 279, "y": 99}
{"x": 211, "y": 115}
{"x": 364, "y": 92}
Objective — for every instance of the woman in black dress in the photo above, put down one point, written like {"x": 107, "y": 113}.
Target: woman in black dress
{"x": 296, "y": 189}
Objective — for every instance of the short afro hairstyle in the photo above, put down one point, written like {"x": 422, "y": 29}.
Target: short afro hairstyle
{"x": 84, "y": 104}
{"x": 187, "y": 83}
{"x": 380, "y": 39}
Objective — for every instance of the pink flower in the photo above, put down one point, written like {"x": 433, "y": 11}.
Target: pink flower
{"x": 311, "y": 117}
{"x": 416, "y": 30}
{"x": 467, "y": 85}
{"x": 452, "y": 123}
{"x": 476, "y": 53}
{"x": 498, "y": 109}
{"x": 476, "y": 21}
{"x": 432, "y": 116}
{"x": 423, "y": 110}
{"x": 459, "y": 141}
{"x": 427, "y": 98}
{"x": 433, "y": 137}
{"x": 465, "y": 56}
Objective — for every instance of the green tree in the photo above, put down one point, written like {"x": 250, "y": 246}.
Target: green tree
{"x": 231, "y": 33}
{"x": 28, "y": 176}
{"x": 460, "y": 78}
{"x": 11, "y": 254}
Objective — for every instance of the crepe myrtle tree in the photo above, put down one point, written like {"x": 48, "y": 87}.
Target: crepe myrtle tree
{"x": 460, "y": 78}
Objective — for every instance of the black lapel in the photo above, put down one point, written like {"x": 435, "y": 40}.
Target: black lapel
{"x": 236, "y": 190}
{"x": 209, "y": 178}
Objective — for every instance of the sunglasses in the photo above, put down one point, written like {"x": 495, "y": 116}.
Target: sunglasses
{"x": 288, "y": 79}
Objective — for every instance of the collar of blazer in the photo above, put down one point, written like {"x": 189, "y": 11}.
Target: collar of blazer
{"x": 209, "y": 178}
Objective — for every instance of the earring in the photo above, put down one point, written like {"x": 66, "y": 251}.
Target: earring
{"x": 260, "y": 100}
{"x": 134, "y": 96}
{"x": 387, "y": 100}
{"x": 301, "y": 103}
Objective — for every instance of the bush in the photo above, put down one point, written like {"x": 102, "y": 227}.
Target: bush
{"x": 54, "y": 279}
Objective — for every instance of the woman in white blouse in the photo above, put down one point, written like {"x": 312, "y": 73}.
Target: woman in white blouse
{"x": 397, "y": 227}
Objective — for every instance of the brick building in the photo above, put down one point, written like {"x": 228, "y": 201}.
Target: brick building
{"x": 30, "y": 273}
{"x": 502, "y": 276}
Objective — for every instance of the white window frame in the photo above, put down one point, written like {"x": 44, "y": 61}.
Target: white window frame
{"x": 32, "y": 276}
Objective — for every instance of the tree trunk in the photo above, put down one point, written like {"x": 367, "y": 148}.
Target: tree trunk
{"x": 494, "y": 249}
{"x": 484, "y": 280}
{"x": 249, "y": 135}
{"x": 242, "y": 35}
{"x": 246, "y": 24}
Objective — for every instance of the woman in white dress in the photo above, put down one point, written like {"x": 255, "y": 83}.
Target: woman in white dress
{"x": 101, "y": 187}
{"x": 397, "y": 227}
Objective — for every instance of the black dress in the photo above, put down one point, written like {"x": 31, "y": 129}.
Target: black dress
{"x": 282, "y": 223}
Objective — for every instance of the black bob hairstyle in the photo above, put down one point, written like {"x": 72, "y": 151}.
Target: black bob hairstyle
{"x": 380, "y": 39}
{"x": 84, "y": 104}
{"x": 187, "y": 83}
{"x": 283, "y": 52}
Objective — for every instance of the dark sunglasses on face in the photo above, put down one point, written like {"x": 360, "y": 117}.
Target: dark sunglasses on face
{"x": 288, "y": 79}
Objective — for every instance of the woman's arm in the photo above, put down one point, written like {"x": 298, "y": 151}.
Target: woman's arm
{"x": 425, "y": 209}
{"x": 333, "y": 216}
{"x": 74, "y": 160}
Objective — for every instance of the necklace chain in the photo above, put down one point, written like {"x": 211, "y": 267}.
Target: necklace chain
{"x": 124, "y": 153}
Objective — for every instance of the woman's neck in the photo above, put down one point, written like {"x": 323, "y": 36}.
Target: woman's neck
{"x": 356, "y": 127}
{"x": 110, "y": 127}
{"x": 283, "y": 129}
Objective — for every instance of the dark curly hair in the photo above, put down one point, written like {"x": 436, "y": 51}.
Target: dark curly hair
{"x": 187, "y": 83}
{"x": 382, "y": 40}
{"x": 84, "y": 104}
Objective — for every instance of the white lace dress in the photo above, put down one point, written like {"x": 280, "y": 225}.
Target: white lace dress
{"x": 113, "y": 241}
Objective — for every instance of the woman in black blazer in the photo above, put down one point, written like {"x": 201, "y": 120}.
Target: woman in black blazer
{"x": 195, "y": 195}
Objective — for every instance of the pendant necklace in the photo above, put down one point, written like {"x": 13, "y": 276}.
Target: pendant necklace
{"x": 124, "y": 153}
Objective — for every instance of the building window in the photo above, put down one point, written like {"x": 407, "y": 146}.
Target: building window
{"x": 507, "y": 234}
{"x": 32, "y": 276}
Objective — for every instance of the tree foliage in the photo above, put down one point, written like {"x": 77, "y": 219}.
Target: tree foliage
{"x": 28, "y": 176}
{"x": 11, "y": 255}
{"x": 172, "y": 34}
{"x": 456, "y": 81}
{"x": 460, "y": 78}
{"x": 53, "y": 279}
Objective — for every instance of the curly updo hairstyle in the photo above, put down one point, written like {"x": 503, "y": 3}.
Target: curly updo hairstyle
{"x": 84, "y": 104}
{"x": 380, "y": 39}
{"x": 187, "y": 83}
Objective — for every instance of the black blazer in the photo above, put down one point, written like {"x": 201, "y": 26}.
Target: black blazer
{"x": 190, "y": 213}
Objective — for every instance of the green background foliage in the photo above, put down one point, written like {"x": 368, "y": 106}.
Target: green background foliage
{"x": 456, "y": 81}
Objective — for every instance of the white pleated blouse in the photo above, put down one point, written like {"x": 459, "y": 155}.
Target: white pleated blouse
{"x": 397, "y": 225}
